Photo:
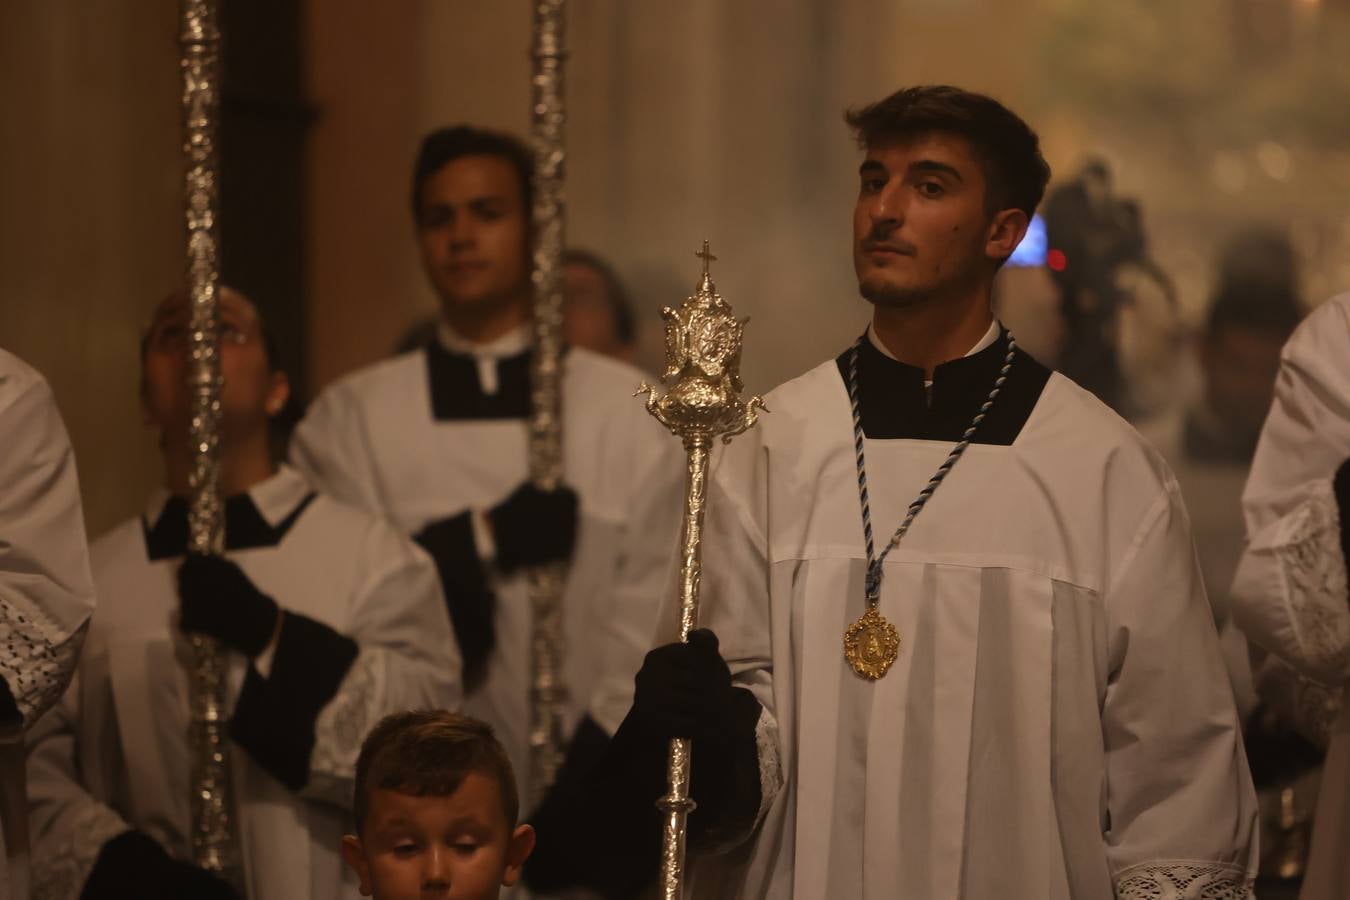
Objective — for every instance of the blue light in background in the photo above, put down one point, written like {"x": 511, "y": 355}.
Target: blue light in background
{"x": 1031, "y": 252}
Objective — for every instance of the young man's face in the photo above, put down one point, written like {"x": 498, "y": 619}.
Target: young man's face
{"x": 921, "y": 227}
{"x": 251, "y": 393}
{"x": 459, "y": 847}
{"x": 473, "y": 230}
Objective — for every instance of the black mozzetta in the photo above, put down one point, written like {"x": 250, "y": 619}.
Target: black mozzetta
{"x": 894, "y": 404}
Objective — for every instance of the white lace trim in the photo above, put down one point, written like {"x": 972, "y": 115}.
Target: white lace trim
{"x": 1183, "y": 879}
{"x": 36, "y": 670}
{"x": 770, "y": 763}
{"x": 342, "y": 726}
{"x": 1319, "y": 707}
{"x": 61, "y": 866}
{"x": 1314, "y": 570}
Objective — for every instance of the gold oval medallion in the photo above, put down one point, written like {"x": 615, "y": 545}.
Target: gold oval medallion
{"x": 871, "y": 644}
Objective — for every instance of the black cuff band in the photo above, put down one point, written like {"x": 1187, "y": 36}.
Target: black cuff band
{"x": 471, "y": 603}
{"x": 275, "y": 716}
{"x": 9, "y": 707}
{"x": 130, "y": 858}
{"x": 1341, "y": 485}
{"x": 725, "y": 782}
{"x": 598, "y": 827}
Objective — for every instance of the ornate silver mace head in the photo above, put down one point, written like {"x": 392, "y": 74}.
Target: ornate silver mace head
{"x": 703, "y": 363}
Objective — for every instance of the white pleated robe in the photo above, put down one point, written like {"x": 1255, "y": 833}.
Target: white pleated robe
{"x": 1058, "y": 723}
{"x": 372, "y": 439}
{"x": 1290, "y": 594}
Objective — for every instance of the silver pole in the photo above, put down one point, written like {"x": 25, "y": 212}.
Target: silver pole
{"x": 214, "y": 845}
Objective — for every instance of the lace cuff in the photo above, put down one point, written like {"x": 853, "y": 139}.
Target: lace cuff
{"x": 770, "y": 764}
{"x": 36, "y": 670}
{"x": 1313, "y": 566}
{"x": 61, "y": 867}
{"x": 1183, "y": 879}
{"x": 341, "y": 727}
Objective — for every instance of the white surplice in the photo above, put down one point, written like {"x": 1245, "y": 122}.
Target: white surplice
{"x": 373, "y": 440}
{"x": 1290, "y": 593}
{"x": 46, "y": 594}
{"x": 113, "y": 754}
{"x": 1058, "y": 724}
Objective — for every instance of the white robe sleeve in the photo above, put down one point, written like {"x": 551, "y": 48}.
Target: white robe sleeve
{"x": 646, "y": 571}
{"x": 1181, "y": 810}
{"x": 46, "y": 592}
{"x": 1290, "y": 594}
{"x": 331, "y": 447}
{"x": 407, "y": 659}
{"x": 69, "y": 826}
{"x": 734, "y": 597}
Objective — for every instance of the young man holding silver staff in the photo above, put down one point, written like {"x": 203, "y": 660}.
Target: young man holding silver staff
{"x": 1017, "y": 692}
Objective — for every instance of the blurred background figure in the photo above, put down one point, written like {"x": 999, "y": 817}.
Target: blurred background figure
{"x": 597, "y": 313}
{"x": 1209, "y": 442}
{"x": 1098, "y": 253}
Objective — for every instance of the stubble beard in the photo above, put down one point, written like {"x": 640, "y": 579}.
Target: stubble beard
{"x": 893, "y": 296}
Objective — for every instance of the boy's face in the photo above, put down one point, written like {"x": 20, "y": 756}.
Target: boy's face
{"x": 459, "y": 847}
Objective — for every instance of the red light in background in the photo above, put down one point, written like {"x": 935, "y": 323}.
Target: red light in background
{"x": 1056, "y": 260}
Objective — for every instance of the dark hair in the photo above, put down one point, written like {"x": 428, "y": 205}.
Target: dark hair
{"x": 446, "y": 144}
{"x": 429, "y": 753}
{"x": 281, "y": 423}
{"x": 620, "y": 306}
{"x": 1271, "y": 309}
{"x": 1008, "y": 150}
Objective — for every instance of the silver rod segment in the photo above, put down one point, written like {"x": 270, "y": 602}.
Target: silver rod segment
{"x": 214, "y": 845}
{"x": 548, "y": 693}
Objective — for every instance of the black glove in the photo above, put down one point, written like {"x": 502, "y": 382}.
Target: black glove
{"x": 217, "y": 599}
{"x": 684, "y": 690}
{"x": 534, "y": 526}
{"x": 1341, "y": 485}
{"x": 133, "y": 866}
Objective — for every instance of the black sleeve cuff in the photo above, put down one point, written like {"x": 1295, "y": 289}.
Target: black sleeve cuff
{"x": 9, "y": 708}
{"x": 133, "y": 864}
{"x": 468, "y": 597}
{"x": 275, "y": 716}
{"x": 598, "y": 826}
{"x": 1341, "y": 485}
{"x": 132, "y": 857}
{"x": 725, "y": 781}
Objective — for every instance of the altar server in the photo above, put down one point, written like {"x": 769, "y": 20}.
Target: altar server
{"x": 330, "y": 619}
{"x": 436, "y": 440}
{"x": 958, "y": 645}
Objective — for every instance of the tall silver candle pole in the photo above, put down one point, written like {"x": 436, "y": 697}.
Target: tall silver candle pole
{"x": 702, "y": 403}
{"x": 548, "y": 116}
{"x": 214, "y": 845}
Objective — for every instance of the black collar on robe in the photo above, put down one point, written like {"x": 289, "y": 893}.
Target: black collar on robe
{"x": 894, "y": 405}
{"x": 245, "y": 527}
{"x": 457, "y": 394}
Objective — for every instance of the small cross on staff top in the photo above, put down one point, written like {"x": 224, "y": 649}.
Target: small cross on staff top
{"x": 706, "y": 256}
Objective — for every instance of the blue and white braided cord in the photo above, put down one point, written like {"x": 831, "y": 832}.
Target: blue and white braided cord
{"x": 874, "y": 562}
